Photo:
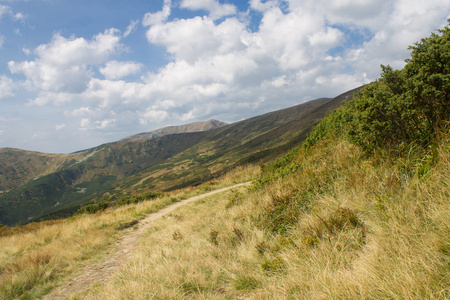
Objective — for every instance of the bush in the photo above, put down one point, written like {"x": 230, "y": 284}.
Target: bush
{"x": 93, "y": 208}
{"x": 138, "y": 198}
{"x": 401, "y": 107}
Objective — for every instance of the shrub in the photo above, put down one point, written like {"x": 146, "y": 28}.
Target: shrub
{"x": 138, "y": 198}
{"x": 93, "y": 208}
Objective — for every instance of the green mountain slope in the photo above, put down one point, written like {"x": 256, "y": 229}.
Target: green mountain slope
{"x": 37, "y": 185}
{"x": 77, "y": 181}
{"x": 255, "y": 140}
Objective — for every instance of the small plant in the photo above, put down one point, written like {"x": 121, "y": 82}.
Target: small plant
{"x": 238, "y": 234}
{"x": 234, "y": 199}
{"x": 213, "y": 237}
{"x": 246, "y": 283}
{"x": 272, "y": 266}
{"x": 310, "y": 240}
{"x": 261, "y": 248}
{"x": 177, "y": 235}
{"x": 340, "y": 220}
{"x": 127, "y": 225}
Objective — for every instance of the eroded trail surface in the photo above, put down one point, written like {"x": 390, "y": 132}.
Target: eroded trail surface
{"x": 103, "y": 271}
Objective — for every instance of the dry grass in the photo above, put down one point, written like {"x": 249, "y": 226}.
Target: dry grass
{"x": 371, "y": 233}
{"x": 37, "y": 257}
{"x": 368, "y": 230}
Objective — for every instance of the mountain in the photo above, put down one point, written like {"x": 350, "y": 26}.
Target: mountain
{"x": 193, "y": 127}
{"x": 37, "y": 185}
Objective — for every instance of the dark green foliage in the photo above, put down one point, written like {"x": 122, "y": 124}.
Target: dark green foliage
{"x": 402, "y": 107}
{"x": 405, "y": 106}
{"x": 428, "y": 78}
{"x": 93, "y": 208}
{"x": 138, "y": 198}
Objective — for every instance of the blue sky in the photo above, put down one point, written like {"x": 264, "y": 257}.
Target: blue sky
{"x": 76, "y": 74}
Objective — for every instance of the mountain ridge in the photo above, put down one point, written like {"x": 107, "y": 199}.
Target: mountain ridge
{"x": 185, "y": 128}
{"x": 119, "y": 169}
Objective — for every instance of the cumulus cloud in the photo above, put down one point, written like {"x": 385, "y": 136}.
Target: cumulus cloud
{"x": 197, "y": 38}
{"x": 159, "y": 17}
{"x": 152, "y": 115}
{"x": 64, "y": 65}
{"x": 116, "y": 70}
{"x": 216, "y": 10}
{"x": 219, "y": 67}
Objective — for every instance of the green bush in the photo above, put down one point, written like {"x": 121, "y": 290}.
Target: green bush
{"x": 93, "y": 208}
{"x": 402, "y": 107}
{"x": 138, "y": 198}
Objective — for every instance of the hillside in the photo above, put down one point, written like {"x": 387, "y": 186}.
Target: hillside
{"x": 111, "y": 171}
{"x": 359, "y": 210}
{"x": 255, "y": 140}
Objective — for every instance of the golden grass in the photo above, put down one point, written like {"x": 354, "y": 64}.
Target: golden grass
{"x": 37, "y": 257}
{"x": 376, "y": 234}
{"x": 372, "y": 228}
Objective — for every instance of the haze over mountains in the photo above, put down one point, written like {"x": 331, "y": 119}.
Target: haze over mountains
{"x": 34, "y": 185}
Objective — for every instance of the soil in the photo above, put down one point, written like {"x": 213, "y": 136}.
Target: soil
{"x": 121, "y": 252}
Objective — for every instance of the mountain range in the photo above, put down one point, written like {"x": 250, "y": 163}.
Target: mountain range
{"x": 36, "y": 186}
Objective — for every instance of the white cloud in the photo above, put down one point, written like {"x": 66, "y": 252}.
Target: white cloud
{"x": 2, "y": 41}
{"x": 159, "y": 17}
{"x": 4, "y": 10}
{"x": 64, "y": 65}
{"x": 7, "y": 87}
{"x": 19, "y": 17}
{"x": 228, "y": 69}
{"x": 60, "y": 126}
{"x": 116, "y": 70}
{"x": 107, "y": 123}
{"x": 263, "y": 6}
{"x": 85, "y": 124}
{"x": 196, "y": 38}
{"x": 26, "y": 51}
{"x": 152, "y": 116}
{"x": 215, "y": 9}
{"x": 131, "y": 28}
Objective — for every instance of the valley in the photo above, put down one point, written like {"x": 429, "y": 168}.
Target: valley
{"x": 39, "y": 186}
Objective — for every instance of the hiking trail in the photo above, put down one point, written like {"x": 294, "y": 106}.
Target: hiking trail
{"x": 121, "y": 252}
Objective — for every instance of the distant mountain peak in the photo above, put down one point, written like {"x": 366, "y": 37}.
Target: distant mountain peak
{"x": 192, "y": 127}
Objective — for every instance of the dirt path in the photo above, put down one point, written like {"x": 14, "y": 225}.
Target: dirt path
{"x": 103, "y": 271}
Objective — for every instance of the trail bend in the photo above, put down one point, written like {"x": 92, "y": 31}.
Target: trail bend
{"x": 103, "y": 271}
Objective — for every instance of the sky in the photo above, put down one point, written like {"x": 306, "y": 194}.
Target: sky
{"x": 75, "y": 74}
